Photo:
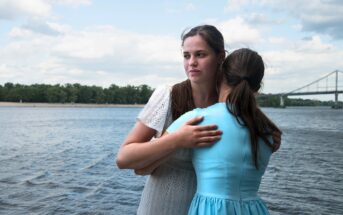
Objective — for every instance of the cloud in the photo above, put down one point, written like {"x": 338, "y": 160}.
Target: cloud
{"x": 237, "y": 33}
{"x": 319, "y": 16}
{"x": 235, "y": 5}
{"x": 94, "y": 55}
{"x": 34, "y": 9}
{"x": 190, "y": 7}
{"x": 41, "y": 27}
{"x": 11, "y": 9}
{"x": 74, "y": 3}
{"x": 262, "y": 19}
{"x": 296, "y": 63}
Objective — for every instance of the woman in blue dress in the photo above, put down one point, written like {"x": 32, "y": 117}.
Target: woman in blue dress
{"x": 229, "y": 172}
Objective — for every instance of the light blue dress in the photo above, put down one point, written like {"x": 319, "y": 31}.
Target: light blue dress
{"x": 227, "y": 180}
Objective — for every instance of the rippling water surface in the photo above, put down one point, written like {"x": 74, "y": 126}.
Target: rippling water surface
{"x": 61, "y": 161}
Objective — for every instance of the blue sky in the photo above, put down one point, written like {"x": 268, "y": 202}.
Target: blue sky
{"x": 138, "y": 42}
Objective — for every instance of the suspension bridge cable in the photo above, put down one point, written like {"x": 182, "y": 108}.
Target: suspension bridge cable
{"x": 311, "y": 82}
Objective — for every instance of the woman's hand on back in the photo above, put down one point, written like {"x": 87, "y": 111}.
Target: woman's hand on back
{"x": 191, "y": 135}
{"x": 277, "y": 140}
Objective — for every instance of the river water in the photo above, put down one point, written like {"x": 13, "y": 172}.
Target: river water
{"x": 61, "y": 161}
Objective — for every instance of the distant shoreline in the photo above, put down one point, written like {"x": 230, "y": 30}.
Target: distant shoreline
{"x": 68, "y": 105}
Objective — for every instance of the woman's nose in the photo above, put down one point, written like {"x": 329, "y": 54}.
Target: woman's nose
{"x": 193, "y": 61}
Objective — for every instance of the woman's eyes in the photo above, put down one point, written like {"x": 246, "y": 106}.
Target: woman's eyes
{"x": 186, "y": 56}
{"x": 199, "y": 54}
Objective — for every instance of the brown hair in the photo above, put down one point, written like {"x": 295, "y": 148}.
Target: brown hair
{"x": 243, "y": 71}
{"x": 181, "y": 96}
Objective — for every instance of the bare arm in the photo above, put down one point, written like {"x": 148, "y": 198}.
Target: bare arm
{"x": 138, "y": 151}
{"x": 151, "y": 168}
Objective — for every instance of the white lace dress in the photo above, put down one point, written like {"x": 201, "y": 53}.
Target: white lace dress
{"x": 170, "y": 189}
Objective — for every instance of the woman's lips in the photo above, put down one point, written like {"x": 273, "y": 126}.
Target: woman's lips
{"x": 194, "y": 72}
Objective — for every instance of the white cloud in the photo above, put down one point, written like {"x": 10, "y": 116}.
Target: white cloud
{"x": 20, "y": 33}
{"x": 10, "y": 9}
{"x": 277, "y": 40}
{"x": 237, "y": 33}
{"x": 234, "y": 5}
{"x": 323, "y": 17}
{"x": 190, "y": 7}
{"x": 95, "y": 55}
{"x": 319, "y": 16}
{"x": 72, "y": 2}
{"x": 299, "y": 63}
{"x": 34, "y": 9}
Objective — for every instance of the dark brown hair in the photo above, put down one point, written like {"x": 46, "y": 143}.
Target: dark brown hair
{"x": 182, "y": 97}
{"x": 243, "y": 71}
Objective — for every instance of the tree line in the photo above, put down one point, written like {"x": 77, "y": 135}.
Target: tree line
{"x": 75, "y": 93}
{"x": 266, "y": 100}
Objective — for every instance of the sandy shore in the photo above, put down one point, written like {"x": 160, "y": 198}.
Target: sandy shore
{"x": 68, "y": 105}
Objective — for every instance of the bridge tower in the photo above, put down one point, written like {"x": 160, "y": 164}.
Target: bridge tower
{"x": 282, "y": 101}
{"x": 336, "y": 106}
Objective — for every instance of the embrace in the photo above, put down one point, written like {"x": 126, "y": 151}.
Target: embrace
{"x": 212, "y": 142}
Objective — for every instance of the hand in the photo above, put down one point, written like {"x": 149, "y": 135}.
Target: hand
{"x": 276, "y": 140}
{"x": 144, "y": 171}
{"x": 191, "y": 135}
{"x": 149, "y": 170}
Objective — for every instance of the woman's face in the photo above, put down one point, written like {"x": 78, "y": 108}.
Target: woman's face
{"x": 199, "y": 59}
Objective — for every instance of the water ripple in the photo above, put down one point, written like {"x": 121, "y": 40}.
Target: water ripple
{"x": 61, "y": 161}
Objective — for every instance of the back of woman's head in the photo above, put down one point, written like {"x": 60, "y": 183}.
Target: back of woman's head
{"x": 244, "y": 66}
{"x": 243, "y": 71}
{"x": 210, "y": 34}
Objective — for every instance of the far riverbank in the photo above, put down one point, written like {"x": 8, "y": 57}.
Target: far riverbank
{"x": 67, "y": 105}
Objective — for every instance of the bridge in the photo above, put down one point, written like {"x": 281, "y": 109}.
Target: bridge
{"x": 325, "y": 85}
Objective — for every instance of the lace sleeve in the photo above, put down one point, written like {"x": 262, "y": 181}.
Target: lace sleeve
{"x": 157, "y": 112}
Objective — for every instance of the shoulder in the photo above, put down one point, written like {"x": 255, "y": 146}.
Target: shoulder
{"x": 163, "y": 88}
{"x": 215, "y": 109}
{"x": 216, "y": 113}
{"x": 161, "y": 94}
{"x": 182, "y": 120}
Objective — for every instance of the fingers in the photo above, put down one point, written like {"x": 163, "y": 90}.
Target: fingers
{"x": 205, "y": 127}
{"x": 210, "y": 133}
{"x": 143, "y": 172}
{"x": 195, "y": 120}
{"x": 208, "y": 141}
{"x": 139, "y": 172}
{"x": 277, "y": 140}
{"x": 276, "y": 146}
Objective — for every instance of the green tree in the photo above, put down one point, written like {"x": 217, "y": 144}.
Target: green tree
{"x": 112, "y": 94}
{"x": 85, "y": 95}
{"x": 55, "y": 94}
{"x": 2, "y": 93}
{"x": 71, "y": 92}
{"x": 144, "y": 93}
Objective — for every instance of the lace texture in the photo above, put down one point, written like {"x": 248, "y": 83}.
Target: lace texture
{"x": 156, "y": 114}
{"x": 170, "y": 189}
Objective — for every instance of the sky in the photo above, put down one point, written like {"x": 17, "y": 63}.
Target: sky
{"x": 138, "y": 42}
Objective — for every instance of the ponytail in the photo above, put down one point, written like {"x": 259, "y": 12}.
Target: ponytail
{"x": 243, "y": 71}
